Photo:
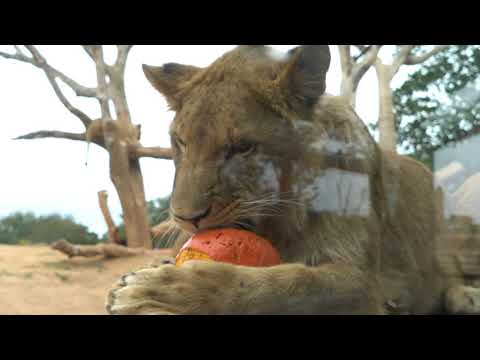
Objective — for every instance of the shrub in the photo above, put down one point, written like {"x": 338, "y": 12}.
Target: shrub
{"x": 26, "y": 228}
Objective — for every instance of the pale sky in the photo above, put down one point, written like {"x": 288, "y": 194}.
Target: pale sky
{"x": 49, "y": 175}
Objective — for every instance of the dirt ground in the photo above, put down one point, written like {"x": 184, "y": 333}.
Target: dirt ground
{"x": 38, "y": 280}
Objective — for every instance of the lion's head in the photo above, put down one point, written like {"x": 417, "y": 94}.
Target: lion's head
{"x": 246, "y": 139}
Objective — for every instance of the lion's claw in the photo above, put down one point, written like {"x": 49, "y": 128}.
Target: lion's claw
{"x": 168, "y": 289}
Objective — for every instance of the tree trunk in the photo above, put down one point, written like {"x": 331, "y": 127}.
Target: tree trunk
{"x": 113, "y": 233}
{"x": 127, "y": 177}
{"x": 348, "y": 89}
{"x": 128, "y": 181}
{"x": 386, "y": 117}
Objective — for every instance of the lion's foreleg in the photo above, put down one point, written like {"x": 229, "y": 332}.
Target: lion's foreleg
{"x": 297, "y": 289}
{"x": 215, "y": 288}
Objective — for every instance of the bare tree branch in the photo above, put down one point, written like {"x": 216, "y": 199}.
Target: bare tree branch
{"x": 113, "y": 231}
{"x": 353, "y": 70}
{"x": 116, "y": 86}
{"x": 345, "y": 59}
{"x": 79, "y": 89}
{"x": 18, "y": 50}
{"x": 52, "y": 134}
{"x": 414, "y": 60}
{"x": 39, "y": 61}
{"x": 153, "y": 152}
{"x": 363, "y": 50}
{"x": 17, "y": 56}
{"x": 102, "y": 90}
{"x": 360, "y": 68}
{"x": 399, "y": 60}
{"x": 84, "y": 118}
{"x": 123, "y": 51}
{"x": 89, "y": 50}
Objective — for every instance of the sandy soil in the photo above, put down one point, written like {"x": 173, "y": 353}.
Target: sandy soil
{"x": 39, "y": 280}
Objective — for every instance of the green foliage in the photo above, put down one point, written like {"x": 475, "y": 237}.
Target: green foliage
{"x": 26, "y": 228}
{"x": 439, "y": 104}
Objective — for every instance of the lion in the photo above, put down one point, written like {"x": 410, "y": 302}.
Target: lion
{"x": 95, "y": 133}
{"x": 258, "y": 144}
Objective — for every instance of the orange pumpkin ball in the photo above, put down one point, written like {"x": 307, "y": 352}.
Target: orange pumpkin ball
{"x": 234, "y": 246}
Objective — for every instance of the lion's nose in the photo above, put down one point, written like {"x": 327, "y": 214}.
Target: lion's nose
{"x": 195, "y": 218}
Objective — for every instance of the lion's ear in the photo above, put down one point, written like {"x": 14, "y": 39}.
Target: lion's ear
{"x": 303, "y": 74}
{"x": 169, "y": 78}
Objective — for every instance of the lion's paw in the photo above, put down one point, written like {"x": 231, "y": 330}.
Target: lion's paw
{"x": 167, "y": 290}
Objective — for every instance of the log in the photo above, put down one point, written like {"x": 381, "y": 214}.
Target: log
{"x": 105, "y": 250}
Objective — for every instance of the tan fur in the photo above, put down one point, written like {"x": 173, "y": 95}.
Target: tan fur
{"x": 95, "y": 133}
{"x": 355, "y": 227}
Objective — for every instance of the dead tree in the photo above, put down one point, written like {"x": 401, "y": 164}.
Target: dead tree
{"x": 113, "y": 132}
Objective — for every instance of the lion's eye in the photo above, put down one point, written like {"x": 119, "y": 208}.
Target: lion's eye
{"x": 242, "y": 148}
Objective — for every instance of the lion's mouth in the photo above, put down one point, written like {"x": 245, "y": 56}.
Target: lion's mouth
{"x": 225, "y": 217}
